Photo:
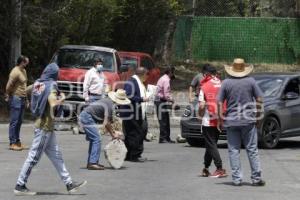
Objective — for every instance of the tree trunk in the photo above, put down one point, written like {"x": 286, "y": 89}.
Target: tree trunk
{"x": 15, "y": 39}
{"x": 167, "y": 44}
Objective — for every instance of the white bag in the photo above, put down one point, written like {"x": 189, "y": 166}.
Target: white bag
{"x": 115, "y": 153}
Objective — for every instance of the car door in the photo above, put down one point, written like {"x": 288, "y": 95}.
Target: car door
{"x": 291, "y": 110}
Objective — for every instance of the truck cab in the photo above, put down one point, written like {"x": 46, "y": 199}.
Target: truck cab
{"x": 73, "y": 62}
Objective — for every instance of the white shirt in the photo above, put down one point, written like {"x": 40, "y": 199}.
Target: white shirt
{"x": 143, "y": 92}
{"x": 94, "y": 83}
{"x": 205, "y": 118}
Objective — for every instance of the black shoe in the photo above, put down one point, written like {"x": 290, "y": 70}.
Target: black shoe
{"x": 141, "y": 160}
{"x": 171, "y": 141}
{"x": 163, "y": 141}
{"x": 22, "y": 190}
{"x": 259, "y": 183}
{"x": 73, "y": 187}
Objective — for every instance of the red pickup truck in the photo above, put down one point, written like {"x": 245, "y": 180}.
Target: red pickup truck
{"x": 140, "y": 59}
{"x": 75, "y": 60}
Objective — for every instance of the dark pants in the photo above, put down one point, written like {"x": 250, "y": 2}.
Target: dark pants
{"x": 211, "y": 136}
{"x": 17, "y": 105}
{"x": 164, "y": 120}
{"x": 135, "y": 132}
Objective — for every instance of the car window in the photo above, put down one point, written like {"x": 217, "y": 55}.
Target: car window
{"x": 126, "y": 61}
{"x": 147, "y": 63}
{"x": 269, "y": 86}
{"x": 293, "y": 86}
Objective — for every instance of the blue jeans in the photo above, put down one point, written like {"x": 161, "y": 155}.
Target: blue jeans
{"x": 44, "y": 141}
{"x": 92, "y": 135}
{"x": 17, "y": 105}
{"x": 94, "y": 98}
{"x": 235, "y": 137}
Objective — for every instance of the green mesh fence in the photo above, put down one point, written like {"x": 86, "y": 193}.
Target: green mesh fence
{"x": 258, "y": 40}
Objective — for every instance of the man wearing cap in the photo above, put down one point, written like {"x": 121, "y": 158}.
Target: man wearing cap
{"x": 94, "y": 84}
{"x": 102, "y": 112}
{"x": 244, "y": 111}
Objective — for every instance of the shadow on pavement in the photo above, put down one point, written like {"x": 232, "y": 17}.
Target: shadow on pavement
{"x": 230, "y": 184}
{"x": 57, "y": 194}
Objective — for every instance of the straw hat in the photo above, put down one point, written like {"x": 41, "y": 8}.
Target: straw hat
{"x": 239, "y": 68}
{"x": 119, "y": 97}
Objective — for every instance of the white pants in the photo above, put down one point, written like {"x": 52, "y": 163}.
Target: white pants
{"x": 44, "y": 142}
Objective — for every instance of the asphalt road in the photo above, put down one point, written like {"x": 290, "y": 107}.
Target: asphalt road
{"x": 170, "y": 174}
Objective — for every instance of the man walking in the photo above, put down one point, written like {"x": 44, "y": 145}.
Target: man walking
{"x": 100, "y": 111}
{"x": 17, "y": 99}
{"x": 44, "y": 101}
{"x": 163, "y": 100}
{"x": 94, "y": 84}
{"x": 208, "y": 115}
{"x": 134, "y": 120}
{"x": 244, "y": 106}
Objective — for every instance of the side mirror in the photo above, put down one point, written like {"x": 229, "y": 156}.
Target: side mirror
{"x": 291, "y": 96}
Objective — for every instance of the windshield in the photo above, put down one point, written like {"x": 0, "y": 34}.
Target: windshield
{"x": 270, "y": 86}
{"x": 129, "y": 61}
{"x": 77, "y": 58}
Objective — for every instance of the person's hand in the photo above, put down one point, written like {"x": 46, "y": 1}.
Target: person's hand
{"x": 27, "y": 104}
{"x": 116, "y": 135}
{"x": 191, "y": 99}
{"x": 145, "y": 99}
{"x": 62, "y": 96}
{"x": 220, "y": 125}
{"x": 6, "y": 97}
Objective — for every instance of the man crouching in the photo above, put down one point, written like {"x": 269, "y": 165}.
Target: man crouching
{"x": 100, "y": 111}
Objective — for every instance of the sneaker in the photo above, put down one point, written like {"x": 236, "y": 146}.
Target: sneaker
{"x": 15, "y": 147}
{"x": 22, "y": 190}
{"x": 205, "y": 173}
{"x": 219, "y": 173}
{"x": 74, "y": 186}
{"x": 259, "y": 183}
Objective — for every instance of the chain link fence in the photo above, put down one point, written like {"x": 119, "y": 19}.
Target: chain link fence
{"x": 261, "y": 31}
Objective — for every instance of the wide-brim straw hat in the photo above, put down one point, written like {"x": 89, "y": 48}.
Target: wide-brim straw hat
{"x": 119, "y": 97}
{"x": 239, "y": 68}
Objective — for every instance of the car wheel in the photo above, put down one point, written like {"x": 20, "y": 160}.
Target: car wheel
{"x": 195, "y": 142}
{"x": 270, "y": 133}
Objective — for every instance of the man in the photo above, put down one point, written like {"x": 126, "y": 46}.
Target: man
{"x": 100, "y": 111}
{"x": 244, "y": 106}
{"x": 195, "y": 86}
{"x": 95, "y": 82}
{"x": 208, "y": 116}
{"x": 17, "y": 99}
{"x": 134, "y": 120}
{"x": 163, "y": 100}
{"x": 44, "y": 101}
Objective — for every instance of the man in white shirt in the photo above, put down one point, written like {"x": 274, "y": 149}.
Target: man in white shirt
{"x": 94, "y": 82}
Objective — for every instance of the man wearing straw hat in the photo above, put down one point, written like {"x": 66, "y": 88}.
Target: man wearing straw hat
{"x": 244, "y": 106}
{"x": 100, "y": 111}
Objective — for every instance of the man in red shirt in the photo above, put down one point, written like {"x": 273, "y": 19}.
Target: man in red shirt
{"x": 208, "y": 113}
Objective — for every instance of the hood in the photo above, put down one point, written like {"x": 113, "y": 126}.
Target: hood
{"x": 77, "y": 75}
{"x": 50, "y": 73}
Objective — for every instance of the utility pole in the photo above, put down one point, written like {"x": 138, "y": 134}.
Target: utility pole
{"x": 16, "y": 33}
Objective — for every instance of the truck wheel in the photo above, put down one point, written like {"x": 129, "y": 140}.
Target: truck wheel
{"x": 195, "y": 142}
